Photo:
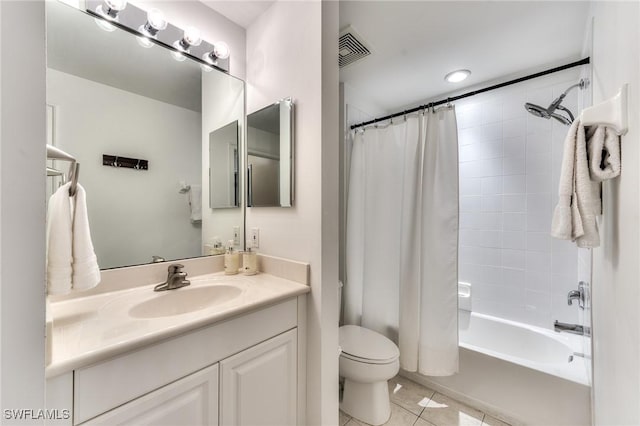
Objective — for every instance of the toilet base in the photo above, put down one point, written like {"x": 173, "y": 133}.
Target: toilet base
{"x": 367, "y": 402}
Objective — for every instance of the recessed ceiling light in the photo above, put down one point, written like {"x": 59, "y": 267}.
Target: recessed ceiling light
{"x": 457, "y": 76}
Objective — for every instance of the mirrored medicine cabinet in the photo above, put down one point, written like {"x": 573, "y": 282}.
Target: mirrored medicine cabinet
{"x": 270, "y": 155}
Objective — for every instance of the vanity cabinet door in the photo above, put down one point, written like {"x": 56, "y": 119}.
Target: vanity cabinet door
{"x": 258, "y": 385}
{"x": 192, "y": 400}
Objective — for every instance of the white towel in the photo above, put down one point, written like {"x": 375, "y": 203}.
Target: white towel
{"x": 86, "y": 273}
{"x": 195, "y": 203}
{"x": 71, "y": 261}
{"x": 574, "y": 218}
{"x": 604, "y": 154}
{"x": 59, "y": 237}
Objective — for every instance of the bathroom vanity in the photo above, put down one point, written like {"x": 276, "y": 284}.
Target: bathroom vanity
{"x": 121, "y": 357}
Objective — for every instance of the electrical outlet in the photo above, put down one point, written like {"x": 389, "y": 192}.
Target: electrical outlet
{"x": 236, "y": 235}
{"x": 255, "y": 237}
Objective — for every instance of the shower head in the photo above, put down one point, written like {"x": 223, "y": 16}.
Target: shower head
{"x": 549, "y": 112}
{"x": 536, "y": 110}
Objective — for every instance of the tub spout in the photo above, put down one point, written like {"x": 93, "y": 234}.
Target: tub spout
{"x": 571, "y": 328}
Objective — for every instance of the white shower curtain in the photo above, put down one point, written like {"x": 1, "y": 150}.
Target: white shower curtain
{"x": 402, "y": 238}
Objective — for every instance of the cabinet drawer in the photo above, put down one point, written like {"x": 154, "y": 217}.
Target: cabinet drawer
{"x": 104, "y": 386}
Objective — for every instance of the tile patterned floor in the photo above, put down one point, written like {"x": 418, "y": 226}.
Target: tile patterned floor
{"x": 415, "y": 405}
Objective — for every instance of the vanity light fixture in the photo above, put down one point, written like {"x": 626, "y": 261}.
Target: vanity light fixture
{"x": 191, "y": 37}
{"x": 457, "y": 76}
{"x": 152, "y": 27}
{"x": 155, "y": 22}
{"x": 220, "y": 51}
{"x": 108, "y": 11}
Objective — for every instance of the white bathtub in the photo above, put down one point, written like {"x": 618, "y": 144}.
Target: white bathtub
{"x": 533, "y": 347}
{"x": 520, "y": 373}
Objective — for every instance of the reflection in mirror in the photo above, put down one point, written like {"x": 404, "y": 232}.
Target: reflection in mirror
{"x": 223, "y": 167}
{"x": 270, "y": 156}
{"x": 110, "y": 96}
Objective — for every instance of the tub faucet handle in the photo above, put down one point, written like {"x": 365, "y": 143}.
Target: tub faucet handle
{"x": 579, "y": 294}
{"x": 573, "y": 295}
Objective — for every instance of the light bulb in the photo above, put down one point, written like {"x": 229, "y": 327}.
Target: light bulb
{"x": 156, "y": 20}
{"x": 178, "y": 56}
{"x": 457, "y": 76}
{"x": 103, "y": 24}
{"x": 192, "y": 36}
{"x": 117, "y": 5}
{"x": 109, "y": 11}
{"x": 221, "y": 50}
{"x": 144, "y": 42}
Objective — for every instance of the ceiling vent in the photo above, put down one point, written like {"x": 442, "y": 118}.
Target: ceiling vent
{"x": 351, "y": 47}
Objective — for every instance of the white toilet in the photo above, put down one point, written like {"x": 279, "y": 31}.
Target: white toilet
{"x": 367, "y": 361}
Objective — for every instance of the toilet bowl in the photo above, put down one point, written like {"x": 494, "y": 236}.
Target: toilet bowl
{"x": 367, "y": 361}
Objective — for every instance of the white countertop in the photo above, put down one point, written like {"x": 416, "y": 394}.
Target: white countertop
{"x": 94, "y": 328}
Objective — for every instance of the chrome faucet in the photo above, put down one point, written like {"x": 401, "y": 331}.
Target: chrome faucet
{"x": 572, "y": 328}
{"x": 176, "y": 278}
{"x": 580, "y": 295}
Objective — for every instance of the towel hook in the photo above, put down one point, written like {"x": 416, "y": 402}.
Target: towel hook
{"x": 73, "y": 189}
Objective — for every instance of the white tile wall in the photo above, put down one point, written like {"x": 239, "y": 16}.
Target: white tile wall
{"x": 509, "y": 172}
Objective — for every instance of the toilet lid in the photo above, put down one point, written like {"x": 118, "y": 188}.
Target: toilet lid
{"x": 360, "y": 342}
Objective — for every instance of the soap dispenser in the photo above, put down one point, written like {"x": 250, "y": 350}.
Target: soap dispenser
{"x": 231, "y": 260}
{"x": 249, "y": 261}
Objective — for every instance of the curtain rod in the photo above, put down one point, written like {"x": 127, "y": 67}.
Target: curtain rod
{"x": 475, "y": 92}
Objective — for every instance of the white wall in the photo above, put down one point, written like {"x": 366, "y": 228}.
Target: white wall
{"x": 291, "y": 51}
{"x": 213, "y": 26}
{"x": 509, "y": 173}
{"x": 134, "y": 214}
{"x": 616, "y": 269}
{"x": 22, "y": 215}
{"x": 359, "y": 107}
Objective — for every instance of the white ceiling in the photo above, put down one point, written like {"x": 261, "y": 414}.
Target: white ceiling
{"x": 415, "y": 43}
{"x": 241, "y": 12}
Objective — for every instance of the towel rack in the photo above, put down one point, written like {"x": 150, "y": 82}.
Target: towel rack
{"x": 54, "y": 153}
{"x": 611, "y": 113}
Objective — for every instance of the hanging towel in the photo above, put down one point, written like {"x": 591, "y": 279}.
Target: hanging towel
{"x": 574, "y": 218}
{"x": 71, "y": 261}
{"x": 86, "y": 273}
{"x": 604, "y": 154}
{"x": 59, "y": 238}
{"x": 195, "y": 203}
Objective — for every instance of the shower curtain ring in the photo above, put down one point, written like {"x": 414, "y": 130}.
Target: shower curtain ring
{"x": 405, "y": 115}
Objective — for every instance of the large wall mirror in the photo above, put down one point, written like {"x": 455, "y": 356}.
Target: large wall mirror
{"x": 108, "y": 96}
{"x": 270, "y": 156}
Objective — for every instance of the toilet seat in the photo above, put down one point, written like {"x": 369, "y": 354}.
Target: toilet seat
{"x": 367, "y": 360}
{"x": 367, "y": 346}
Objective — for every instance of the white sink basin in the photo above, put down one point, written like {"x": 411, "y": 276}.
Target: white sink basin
{"x": 184, "y": 300}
